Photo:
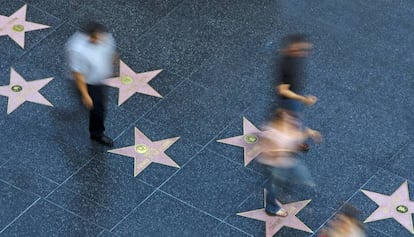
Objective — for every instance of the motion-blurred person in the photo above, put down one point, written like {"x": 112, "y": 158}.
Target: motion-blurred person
{"x": 345, "y": 224}
{"x": 279, "y": 143}
{"x": 91, "y": 55}
{"x": 290, "y": 76}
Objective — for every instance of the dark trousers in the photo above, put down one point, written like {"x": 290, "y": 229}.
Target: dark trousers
{"x": 97, "y": 113}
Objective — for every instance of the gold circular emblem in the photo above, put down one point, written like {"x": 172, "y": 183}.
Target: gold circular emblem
{"x": 18, "y": 28}
{"x": 141, "y": 148}
{"x": 126, "y": 80}
{"x": 402, "y": 209}
{"x": 16, "y": 88}
{"x": 250, "y": 138}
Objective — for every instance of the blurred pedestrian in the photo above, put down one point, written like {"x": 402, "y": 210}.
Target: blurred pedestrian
{"x": 91, "y": 55}
{"x": 290, "y": 76}
{"x": 279, "y": 144}
{"x": 344, "y": 224}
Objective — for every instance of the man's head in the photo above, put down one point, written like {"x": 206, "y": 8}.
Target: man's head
{"x": 296, "y": 45}
{"x": 95, "y": 31}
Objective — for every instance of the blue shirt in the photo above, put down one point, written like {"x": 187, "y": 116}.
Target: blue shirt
{"x": 93, "y": 61}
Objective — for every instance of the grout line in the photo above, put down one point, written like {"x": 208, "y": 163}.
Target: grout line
{"x": 236, "y": 163}
{"x": 103, "y": 231}
{"x": 85, "y": 197}
{"x": 382, "y": 232}
{"x": 346, "y": 201}
{"x": 4, "y": 164}
{"x": 159, "y": 21}
{"x": 74, "y": 173}
{"x": 18, "y": 188}
{"x": 15, "y": 219}
{"x": 125, "y": 217}
{"x": 192, "y": 206}
{"x": 100, "y": 233}
{"x": 55, "y": 29}
{"x": 185, "y": 164}
{"x": 149, "y": 110}
{"x": 247, "y": 198}
{"x": 241, "y": 204}
{"x": 398, "y": 152}
{"x": 158, "y": 188}
{"x": 204, "y": 212}
{"x": 43, "y": 11}
{"x": 394, "y": 174}
{"x": 73, "y": 213}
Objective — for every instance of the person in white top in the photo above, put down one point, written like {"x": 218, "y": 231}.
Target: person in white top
{"x": 280, "y": 147}
{"x": 91, "y": 55}
{"x": 344, "y": 224}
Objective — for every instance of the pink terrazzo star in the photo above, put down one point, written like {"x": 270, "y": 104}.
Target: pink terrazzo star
{"x": 16, "y": 25}
{"x": 130, "y": 83}
{"x": 20, "y": 90}
{"x": 249, "y": 141}
{"x": 146, "y": 152}
{"x": 275, "y": 223}
{"x": 397, "y": 206}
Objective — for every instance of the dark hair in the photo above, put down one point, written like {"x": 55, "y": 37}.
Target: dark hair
{"x": 349, "y": 211}
{"x": 352, "y": 213}
{"x": 294, "y": 38}
{"x": 279, "y": 113}
{"x": 94, "y": 27}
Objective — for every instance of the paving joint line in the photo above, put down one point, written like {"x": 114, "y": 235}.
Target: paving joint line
{"x": 74, "y": 173}
{"x": 24, "y": 211}
{"x": 55, "y": 29}
{"x": 346, "y": 201}
{"x": 202, "y": 211}
{"x": 133, "y": 210}
{"x": 73, "y": 213}
{"x": 149, "y": 110}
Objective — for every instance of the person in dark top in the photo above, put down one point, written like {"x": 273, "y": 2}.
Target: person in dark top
{"x": 290, "y": 76}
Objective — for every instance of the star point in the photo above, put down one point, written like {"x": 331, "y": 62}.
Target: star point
{"x": 249, "y": 141}
{"x": 130, "y": 83}
{"x": 20, "y": 90}
{"x": 397, "y": 206}
{"x": 276, "y": 223}
{"x": 145, "y": 152}
{"x": 15, "y": 26}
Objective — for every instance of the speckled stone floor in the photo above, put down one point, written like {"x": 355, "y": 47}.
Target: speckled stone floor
{"x": 217, "y": 60}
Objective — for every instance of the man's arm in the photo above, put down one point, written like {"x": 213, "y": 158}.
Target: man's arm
{"x": 284, "y": 90}
{"x": 315, "y": 135}
{"x": 83, "y": 89}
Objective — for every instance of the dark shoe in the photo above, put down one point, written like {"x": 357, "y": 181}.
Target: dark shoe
{"x": 104, "y": 140}
{"x": 304, "y": 147}
{"x": 281, "y": 212}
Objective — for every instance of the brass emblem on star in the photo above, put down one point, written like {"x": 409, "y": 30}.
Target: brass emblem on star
{"x": 126, "y": 80}
{"x": 251, "y": 139}
{"x": 402, "y": 209}
{"x": 18, "y": 28}
{"x": 141, "y": 148}
{"x": 16, "y": 88}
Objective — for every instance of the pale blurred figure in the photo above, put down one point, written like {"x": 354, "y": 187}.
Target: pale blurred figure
{"x": 345, "y": 224}
{"x": 280, "y": 147}
{"x": 91, "y": 54}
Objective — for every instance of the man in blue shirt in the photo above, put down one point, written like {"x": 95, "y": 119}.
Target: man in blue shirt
{"x": 91, "y": 57}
